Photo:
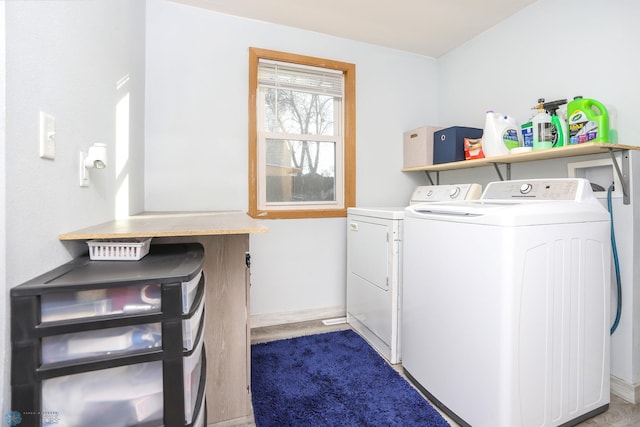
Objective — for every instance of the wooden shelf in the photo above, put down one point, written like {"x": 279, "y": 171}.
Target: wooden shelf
{"x": 170, "y": 224}
{"x": 551, "y": 153}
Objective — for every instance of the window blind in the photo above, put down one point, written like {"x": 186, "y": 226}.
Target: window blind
{"x": 302, "y": 78}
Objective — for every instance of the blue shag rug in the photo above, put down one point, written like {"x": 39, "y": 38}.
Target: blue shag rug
{"x": 332, "y": 379}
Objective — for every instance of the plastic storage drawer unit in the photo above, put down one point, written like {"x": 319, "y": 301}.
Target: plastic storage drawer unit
{"x": 97, "y": 341}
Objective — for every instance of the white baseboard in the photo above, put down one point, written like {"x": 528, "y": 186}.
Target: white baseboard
{"x": 272, "y": 319}
{"x": 624, "y": 390}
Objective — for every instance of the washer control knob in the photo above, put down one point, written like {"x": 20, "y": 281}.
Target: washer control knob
{"x": 429, "y": 193}
{"x": 454, "y": 193}
{"x": 525, "y": 188}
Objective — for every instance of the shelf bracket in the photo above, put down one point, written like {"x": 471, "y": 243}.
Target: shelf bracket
{"x": 431, "y": 180}
{"x": 508, "y": 170}
{"x": 623, "y": 175}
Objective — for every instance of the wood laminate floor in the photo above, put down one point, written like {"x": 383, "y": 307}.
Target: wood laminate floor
{"x": 620, "y": 413}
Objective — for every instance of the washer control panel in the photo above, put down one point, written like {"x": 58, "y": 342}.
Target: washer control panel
{"x": 539, "y": 189}
{"x": 443, "y": 193}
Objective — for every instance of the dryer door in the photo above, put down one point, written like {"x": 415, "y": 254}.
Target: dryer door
{"x": 373, "y": 258}
{"x": 369, "y": 250}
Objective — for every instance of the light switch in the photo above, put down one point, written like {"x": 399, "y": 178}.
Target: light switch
{"x": 47, "y": 136}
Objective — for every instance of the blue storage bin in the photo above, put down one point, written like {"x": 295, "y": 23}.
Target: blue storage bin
{"x": 448, "y": 143}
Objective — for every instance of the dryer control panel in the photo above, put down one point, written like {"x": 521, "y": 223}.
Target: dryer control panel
{"x": 539, "y": 189}
{"x": 443, "y": 193}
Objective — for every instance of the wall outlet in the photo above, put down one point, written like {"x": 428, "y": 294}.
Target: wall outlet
{"x": 47, "y": 136}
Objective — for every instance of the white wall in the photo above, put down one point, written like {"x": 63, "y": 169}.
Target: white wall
{"x": 66, "y": 58}
{"x": 558, "y": 49}
{"x": 197, "y": 140}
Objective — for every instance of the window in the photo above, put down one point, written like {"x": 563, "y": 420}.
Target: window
{"x": 301, "y": 136}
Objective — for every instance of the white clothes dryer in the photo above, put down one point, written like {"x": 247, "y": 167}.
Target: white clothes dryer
{"x": 505, "y": 319}
{"x": 374, "y": 261}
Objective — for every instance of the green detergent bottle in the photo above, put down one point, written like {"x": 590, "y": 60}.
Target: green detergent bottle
{"x": 558, "y": 121}
{"x": 588, "y": 121}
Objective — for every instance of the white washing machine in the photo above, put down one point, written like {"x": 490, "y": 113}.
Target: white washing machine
{"x": 505, "y": 319}
{"x": 374, "y": 262}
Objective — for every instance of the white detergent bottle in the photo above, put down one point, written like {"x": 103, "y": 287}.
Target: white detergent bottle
{"x": 501, "y": 134}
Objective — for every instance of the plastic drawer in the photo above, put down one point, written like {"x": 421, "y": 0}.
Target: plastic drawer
{"x": 146, "y": 298}
{"x": 114, "y": 397}
{"x": 189, "y": 292}
{"x": 200, "y": 419}
{"x": 66, "y": 305}
{"x": 192, "y": 371}
{"x": 102, "y": 342}
{"x": 191, "y": 326}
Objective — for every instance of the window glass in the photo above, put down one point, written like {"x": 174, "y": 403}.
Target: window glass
{"x": 300, "y": 171}
{"x": 298, "y": 112}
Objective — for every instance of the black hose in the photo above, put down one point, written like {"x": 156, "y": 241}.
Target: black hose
{"x": 616, "y": 263}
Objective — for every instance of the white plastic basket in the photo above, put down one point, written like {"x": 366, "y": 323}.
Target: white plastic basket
{"x": 121, "y": 250}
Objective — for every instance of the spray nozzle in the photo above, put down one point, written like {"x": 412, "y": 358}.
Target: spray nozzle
{"x": 552, "y": 106}
{"x": 539, "y": 106}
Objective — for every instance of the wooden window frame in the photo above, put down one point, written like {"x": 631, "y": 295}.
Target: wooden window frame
{"x": 349, "y": 143}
